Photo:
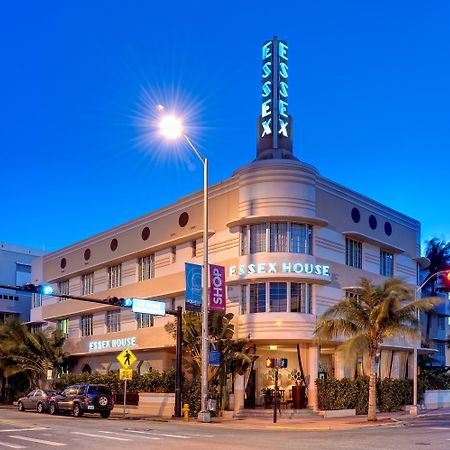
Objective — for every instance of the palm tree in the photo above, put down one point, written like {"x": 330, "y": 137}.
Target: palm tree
{"x": 366, "y": 319}
{"x": 234, "y": 353}
{"x": 32, "y": 353}
{"x": 438, "y": 252}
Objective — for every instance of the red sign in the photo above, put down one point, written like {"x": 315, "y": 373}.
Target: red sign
{"x": 217, "y": 301}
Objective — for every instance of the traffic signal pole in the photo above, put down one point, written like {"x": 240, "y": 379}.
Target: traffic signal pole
{"x": 178, "y": 313}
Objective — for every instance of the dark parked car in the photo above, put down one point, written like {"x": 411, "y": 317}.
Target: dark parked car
{"x": 83, "y": 398}
{"x": 38, "y": 400}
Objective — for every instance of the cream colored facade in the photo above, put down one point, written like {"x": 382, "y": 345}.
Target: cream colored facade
{"x": 277, "y": 191}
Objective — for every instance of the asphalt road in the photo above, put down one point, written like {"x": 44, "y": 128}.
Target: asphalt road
{"x": 30, "y": 430}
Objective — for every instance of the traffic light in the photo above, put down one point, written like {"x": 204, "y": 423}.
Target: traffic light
{"x": 124, "y": 302}
{"x": 270, "y": 363}
{"x": 283, "y": 363}
{"x": 43, "y": 289}
{"x": 446, "y": 280}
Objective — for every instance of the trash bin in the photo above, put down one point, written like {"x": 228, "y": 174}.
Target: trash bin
{"x": 212, "y": 404}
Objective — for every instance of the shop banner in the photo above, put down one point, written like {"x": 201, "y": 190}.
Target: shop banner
{"x": 217, "y": 301}
{"x": 193, "y": 287}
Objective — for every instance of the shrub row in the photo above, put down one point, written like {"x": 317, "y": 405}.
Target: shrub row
{"x": 152, "y": 381}
{"x": 392, "y": 394}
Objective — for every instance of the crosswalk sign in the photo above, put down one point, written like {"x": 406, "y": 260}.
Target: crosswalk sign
{"x": 126, "y": 358}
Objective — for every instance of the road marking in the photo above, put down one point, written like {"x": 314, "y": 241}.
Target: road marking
{"x": 22, "y": 429}
{"x": 200, "y": 435}
{"x": 11, "y": 445}
{"x": 160, "y": 434}
{"x": 97, "y": 436}
{"x": 121, "y": 434}
{"x": 38, "y": 441}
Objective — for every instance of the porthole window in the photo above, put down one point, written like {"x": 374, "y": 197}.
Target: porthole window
{"x": 183, "y": 219}
{"x": 114, "y": 244}
{"x": 372, "y": 222}
{"x": 87, "y": 254}
{"x": 388, "y": 228}
{"x": 356, "y": 215}
{"x": 145, "y": 233}
{"x": 63, "y": 263}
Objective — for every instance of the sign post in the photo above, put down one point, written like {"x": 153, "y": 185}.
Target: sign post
{"x": 126, "y": 358}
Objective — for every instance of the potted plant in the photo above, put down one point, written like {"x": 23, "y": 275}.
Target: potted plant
{"x": 268, "y": 396}
{"x": 298, "y": 390}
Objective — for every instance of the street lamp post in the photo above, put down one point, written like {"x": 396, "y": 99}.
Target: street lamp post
{"x": 414, "y": 410}
{"x": 172, "y": 128}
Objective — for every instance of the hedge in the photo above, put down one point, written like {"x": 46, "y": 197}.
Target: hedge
{"x": 346, "y": 393}
{"x": 152, "y": 381}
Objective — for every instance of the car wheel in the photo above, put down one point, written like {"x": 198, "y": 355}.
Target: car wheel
{"x": 105, "y": 414}
{"x": 52, "y": 408}
{"x": 102, "y": 401}
{"x": 40, "y": 408}
{"x": 76, "y": 410}
{"x": 20, "y": 406}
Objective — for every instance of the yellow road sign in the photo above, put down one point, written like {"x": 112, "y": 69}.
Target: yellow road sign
{"x": 125, "y": 374}
{"x": 126, "y": 358}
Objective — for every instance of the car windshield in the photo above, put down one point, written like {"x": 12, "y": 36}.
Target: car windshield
{"x": 99, "y": 390}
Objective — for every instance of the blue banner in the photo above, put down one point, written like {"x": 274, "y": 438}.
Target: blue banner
{"x": 214, "y": 358}
{"x": 193, "y": 287}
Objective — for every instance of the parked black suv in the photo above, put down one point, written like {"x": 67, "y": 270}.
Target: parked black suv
{"x": 83, "y": 398}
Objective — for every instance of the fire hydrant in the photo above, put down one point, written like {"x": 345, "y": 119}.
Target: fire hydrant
{"x": 185, "y": 412}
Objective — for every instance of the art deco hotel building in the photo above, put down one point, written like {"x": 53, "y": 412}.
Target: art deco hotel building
{"x": 293, "y": 243}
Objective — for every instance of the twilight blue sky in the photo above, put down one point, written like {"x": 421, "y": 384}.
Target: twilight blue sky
{"x": 369, "y": 92}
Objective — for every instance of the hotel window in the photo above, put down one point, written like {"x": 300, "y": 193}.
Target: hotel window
{"x": 258, "y": 238}
{"x": 386, "y": 263}
{"x": 34, "y": 328}
{"x": 86, "y": 325}
{"x": 300, "y": 238}
{"x": 353, "y": 253}
{"x": 36, "y": 300}
{"x": 352, "y": 294}
{"x": 114, "y": 276}
{"x": 63, "y": 288}
{"x": 87, "y": 283}
{"x": 146, "y": 267}
{"x": 278, "y": 297}
{"x": 278, "y": 237}
{"x": 63, "y": 326}
{"x": 301, "y": 298}
{"x": 23, "y": 274}
{"x": 113, "y": 321}
{"x": 244, "y": 299}
{"x": 244, "y": 240}
{"x": 144, "y": 320}
{"x": 257, "y": 300}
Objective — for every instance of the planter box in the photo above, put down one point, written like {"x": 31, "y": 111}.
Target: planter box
{"x": 156, "y": 404}
{"x": 333, "y": 413}
{"x": 437, "y": 399}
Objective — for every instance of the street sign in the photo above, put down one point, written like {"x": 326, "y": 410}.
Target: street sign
{"x": 126, "y": 358}
{"x": 125, "y": 374}
{"x": 142, "y": 305}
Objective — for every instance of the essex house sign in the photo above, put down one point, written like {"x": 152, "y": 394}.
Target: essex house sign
{"x": 283, "y": 268}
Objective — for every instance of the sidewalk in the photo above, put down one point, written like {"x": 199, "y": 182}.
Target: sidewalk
{"x": 300, "y": 423}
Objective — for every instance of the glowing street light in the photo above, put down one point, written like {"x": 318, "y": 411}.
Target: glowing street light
{"x": 172, "y": 128}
